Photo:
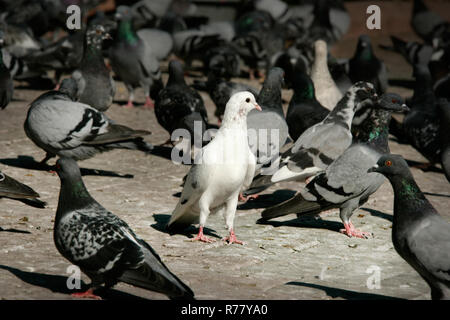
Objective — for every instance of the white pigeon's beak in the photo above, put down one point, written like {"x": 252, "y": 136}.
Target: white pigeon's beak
{"x": 373, "y": 169}
{"x": 257, "y": 107}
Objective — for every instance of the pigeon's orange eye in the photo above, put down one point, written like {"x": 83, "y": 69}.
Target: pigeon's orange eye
{"x": 388, "y": 163}
{"x": 247, "y": 100}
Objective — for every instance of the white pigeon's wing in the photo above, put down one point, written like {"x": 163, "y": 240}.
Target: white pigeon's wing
{"x": 250, "y": 171}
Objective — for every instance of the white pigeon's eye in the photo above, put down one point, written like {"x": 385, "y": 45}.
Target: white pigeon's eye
{"x": 2, "y": 177}
{"x": 247, "y": 100}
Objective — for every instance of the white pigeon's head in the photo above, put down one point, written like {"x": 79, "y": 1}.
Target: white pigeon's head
{"x": 239, "y": 105}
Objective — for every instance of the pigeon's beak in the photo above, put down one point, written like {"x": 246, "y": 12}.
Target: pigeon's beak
{"x": 108, "y": 36}
{"x": 405, "y": 108}
{"x": 373, "y": 169}
{"x": 257, "y": 107}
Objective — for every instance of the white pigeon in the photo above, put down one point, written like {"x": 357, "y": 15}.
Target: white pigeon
{"x": 226, "y": 168}
{"x": 327, "y": 93}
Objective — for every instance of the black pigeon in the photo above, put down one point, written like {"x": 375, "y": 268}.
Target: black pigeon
{"x": 13, "y": 189}
{"x": 427, "y": 24}
{"x": 413, "y": 51}
{"x": 6, "y": 84}
{"x": 345, "y": 184}
{"x": 179, "y": 106}
{"x": 419, "y": 234}
{"x": 104, "y": 246}
{"x": 365, "y": 66}
{"x": 304, "y": 110}
{"x": 96, "y": 86}
{"x": 421, "y": 125}
{"x": 221, "y": 90}
{"x": 444, "y": 115}
{"x": 61, "y": 126}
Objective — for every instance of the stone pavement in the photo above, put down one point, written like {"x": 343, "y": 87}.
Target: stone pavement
{"x": 287, "y": 258}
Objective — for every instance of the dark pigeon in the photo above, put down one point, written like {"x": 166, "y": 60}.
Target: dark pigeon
{"x": 304, "y": 110}
{"x": 179, "y": 106}
{"x": 419, "y": 234}
{"x": 444, "y": 116}
{"x": 365, "y": 66}
{"x": 6, "y": 84}
{"x": 103, "y": 245}
{"x": 221, "y": 91}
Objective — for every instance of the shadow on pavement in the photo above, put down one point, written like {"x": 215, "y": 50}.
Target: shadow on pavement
{"x": 342, "y": 293}
{"x": 27, "y": 162}
{"x": 57, "y": 283}
{"x": 163, "y": 219}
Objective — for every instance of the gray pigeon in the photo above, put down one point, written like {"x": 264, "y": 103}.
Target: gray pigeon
{"x": 66, "y": 128}
{"x": 103, "y": 245}
{"x": 13, "y": 189}
{"x": 419, "y": 234}
{"x": 133, "y": 60}
{"x": 322, "y": 143}
{"x": 96, "y": 86}
{"x": 268, "y": 130}
{"x": 345, "y": 184}
{"x": 413, "y": 51}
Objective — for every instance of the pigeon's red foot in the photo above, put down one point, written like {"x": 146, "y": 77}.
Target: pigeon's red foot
{"x": 201, "y": 237}
{"x": 88, "y": 294}
{"x": 232, "y": 238}
{"x": 57, "y": 86}
{"x": 149, "y": 104}
{"x": 243, "y": 198}
{"x": 351, "y": 231}
{"x": 129, "y": 105}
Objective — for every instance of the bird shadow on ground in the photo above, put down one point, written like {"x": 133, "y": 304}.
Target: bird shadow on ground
{"x": 267, "y": 200}
{"x": 163, "y": 219}
{"x": 14, "y": 230}
{"x": 436, "y": 194}
{"x": 58, "y": 284}
{"x": 27, "y": 162}
{"x": 405, "y": 83}
{"x": 379, "y": 214}
{"x": 313, "y": 222}
{"x": 425, "y": 167}
{"x": 123, "y": 103}
{"x": 342, "y": 293}
{"x": 162, "y": 151}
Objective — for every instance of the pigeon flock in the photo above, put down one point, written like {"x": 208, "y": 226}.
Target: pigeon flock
{"x": 331, "y": 138}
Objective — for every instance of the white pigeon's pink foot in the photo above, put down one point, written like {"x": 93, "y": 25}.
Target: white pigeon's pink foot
{"x": 201, "y": 237}
{"x": 88, "y": 294}
{"x": 129, "y": 105}
{"x": 149, "y": 104}
{"x": 243, "y": 198}
{"x": 57, "y": 86}
{"x": 232, "y": 238}
{"x": 351, "y": 231}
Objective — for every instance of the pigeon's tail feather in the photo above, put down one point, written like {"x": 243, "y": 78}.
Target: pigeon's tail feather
{"x": 297, "y": 205}
{"x": 116, "y": 133}
{"x": 445, "y": 159}
{"x": 134, "y": 144}
{"x": 259, "y": 183}
{"x": 399, "y": 45}
{"x": 36, "y": 203}
{"x": 155, "y": 88}
{"x": 158, "y": 279}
